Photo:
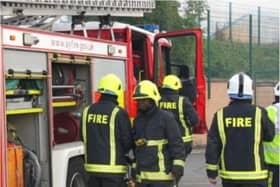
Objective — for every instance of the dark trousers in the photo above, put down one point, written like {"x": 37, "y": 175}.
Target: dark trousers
{"x": 188, "y": 148}
{"x": 231, "y": 184}
{"x": 155, "y": 184}
{"x": 99, "y": 181}
{"x": 273, "y": 176}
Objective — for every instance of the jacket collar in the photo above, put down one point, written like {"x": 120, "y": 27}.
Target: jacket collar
{"x": 167, "y": 91}
{"x": 110, "y": 98}
{"x": 240, "y": 101}
{"x": 150, "y": 112}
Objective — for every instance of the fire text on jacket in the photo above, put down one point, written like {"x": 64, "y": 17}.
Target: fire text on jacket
{"x": 168, "y": 105}
{"x": 98, "y": 119}
{"x": 238, "y": 122}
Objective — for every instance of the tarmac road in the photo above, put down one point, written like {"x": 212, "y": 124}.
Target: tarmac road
{"x": 195, "y": 173}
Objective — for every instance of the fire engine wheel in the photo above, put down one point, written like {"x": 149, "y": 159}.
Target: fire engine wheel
{"x": 77, "y": 176}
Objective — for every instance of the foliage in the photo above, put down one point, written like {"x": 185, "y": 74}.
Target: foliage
{"x": 194, "y": 13}
{"x": 228, "y": 58}
{"x": 165, "y": 15}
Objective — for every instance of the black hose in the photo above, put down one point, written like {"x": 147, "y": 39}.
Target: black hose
{"x": 30, "y": 160}
{"x": 36, "y": 174}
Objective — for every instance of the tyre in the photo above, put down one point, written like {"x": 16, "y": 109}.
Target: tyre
{"x": 76, "y": 176}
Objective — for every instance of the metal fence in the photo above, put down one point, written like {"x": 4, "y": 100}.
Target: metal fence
{"x": 242, "y": 37}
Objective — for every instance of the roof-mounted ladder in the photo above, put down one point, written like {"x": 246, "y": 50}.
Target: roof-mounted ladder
{"x": 131, "y": 8}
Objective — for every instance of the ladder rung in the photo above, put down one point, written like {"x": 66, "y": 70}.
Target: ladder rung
{"x": 62, "y": 86}
{"x": 62, "y": 97}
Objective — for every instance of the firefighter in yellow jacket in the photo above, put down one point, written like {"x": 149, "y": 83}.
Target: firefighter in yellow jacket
{"x": 159, "y": 149}
{"x": 235, "y": 139}
{"x": 106, "y": 133}
{"x": 271, "y": 149}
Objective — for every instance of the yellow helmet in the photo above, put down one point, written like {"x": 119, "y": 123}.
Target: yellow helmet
{"x": 110, "y": 84}
{"x": 172, "y": 82}
{"x": 146, "y": 90}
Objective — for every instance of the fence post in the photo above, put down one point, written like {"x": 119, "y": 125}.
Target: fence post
{"x": 230, "y": 22}
{"x": 259, "y": 25}
{"x": 255, "y": 89}
{"x": 208, "y": 55}
{"x": 250, "y": 45}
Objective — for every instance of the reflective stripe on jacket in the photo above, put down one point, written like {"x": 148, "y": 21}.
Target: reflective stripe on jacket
{"x": 234, "y": 143}
{"x": 183, "y": 111}
{"x": 106, "y": 140}
{"x": 271, "y": 149}
{"x": 159, "y": 146}
{"x": 228, "y": 173}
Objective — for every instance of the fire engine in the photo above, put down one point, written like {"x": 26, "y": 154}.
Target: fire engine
{"x": 48, "y": 77}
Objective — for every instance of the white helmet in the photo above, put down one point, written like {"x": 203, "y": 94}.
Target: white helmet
{"x": 240, "y": 86}
{"x": 277, "y": 89}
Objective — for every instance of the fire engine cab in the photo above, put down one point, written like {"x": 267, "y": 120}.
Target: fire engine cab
{"x": 48, "y": 77}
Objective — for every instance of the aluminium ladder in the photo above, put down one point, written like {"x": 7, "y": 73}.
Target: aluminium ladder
{"x": 130, "y": 8}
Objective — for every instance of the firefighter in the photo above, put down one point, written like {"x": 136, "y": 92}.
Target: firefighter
{"x": 234, "y": 142}
{"x": 181, "y": 107}
{"x": 107, "y": 137}
{"x": 271, "y": 149}
{"x": 188, "y": 88}
{"x": 159, "y": 150}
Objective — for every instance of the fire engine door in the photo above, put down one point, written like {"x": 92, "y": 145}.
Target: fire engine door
{"x": 180, "y": 53}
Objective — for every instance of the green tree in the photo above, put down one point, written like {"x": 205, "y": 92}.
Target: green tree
{"x": 165, "y": 15}
{"x": 194, "y": 12}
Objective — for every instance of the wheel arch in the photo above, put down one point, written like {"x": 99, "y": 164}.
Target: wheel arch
{"x": 61, "y": 157}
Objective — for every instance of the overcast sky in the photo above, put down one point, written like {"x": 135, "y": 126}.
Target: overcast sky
{"x": 275, "y": 4}
{"x": 244, "y": 6}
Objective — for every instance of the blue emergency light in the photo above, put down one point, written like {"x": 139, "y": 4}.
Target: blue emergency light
{"x": 149, "y": 27}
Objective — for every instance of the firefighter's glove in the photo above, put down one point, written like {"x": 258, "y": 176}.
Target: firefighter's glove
{"x": 131, "y": 183}
{"x": 212, "y": 181}
{"x": 177, "y": 172}
{"x": 133, "y": 171}
{"x": 188, "y": 148}
{"x": 140, "y": 142}
{"x": 130, "y": 160}
{"x": 212, "y": 173}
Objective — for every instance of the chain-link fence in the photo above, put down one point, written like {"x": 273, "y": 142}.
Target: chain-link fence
{"x": 244, "y": 38}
